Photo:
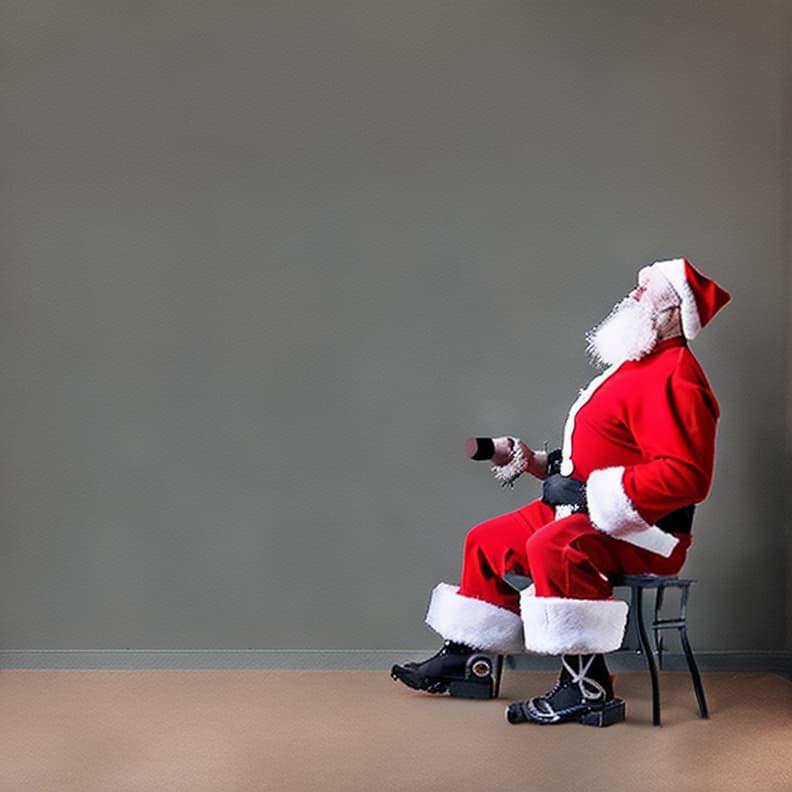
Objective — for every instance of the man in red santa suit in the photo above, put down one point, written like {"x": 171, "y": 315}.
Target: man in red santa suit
{"x": 638, "y": 453}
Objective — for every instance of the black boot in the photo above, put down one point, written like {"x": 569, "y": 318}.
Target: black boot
{"x": 583, "y": 693}
{"x": 457, "y": 669}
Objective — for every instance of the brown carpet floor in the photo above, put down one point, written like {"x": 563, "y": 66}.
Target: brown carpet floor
{"x": 250, "y": 731}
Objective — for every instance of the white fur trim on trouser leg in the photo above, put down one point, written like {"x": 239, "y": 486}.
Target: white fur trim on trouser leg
{"x": 557, "y": 625}
{"x": 613, "y": 513}
{"x": 474, "y": 622}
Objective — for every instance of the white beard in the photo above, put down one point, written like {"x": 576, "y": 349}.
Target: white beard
{"x": 629, "y": 332}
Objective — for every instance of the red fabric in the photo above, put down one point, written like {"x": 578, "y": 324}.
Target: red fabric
{"x": 709, "y": 297}
{"x": 565, "y": 558}
{"x": 656, "y": 417}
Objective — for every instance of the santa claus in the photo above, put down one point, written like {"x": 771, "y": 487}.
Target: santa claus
{"x": 638, "y": 453}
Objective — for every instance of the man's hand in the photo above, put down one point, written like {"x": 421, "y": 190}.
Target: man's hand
{"x": 504, "y": 450}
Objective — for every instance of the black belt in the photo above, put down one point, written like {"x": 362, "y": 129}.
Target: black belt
{"x": 558, "y": 490}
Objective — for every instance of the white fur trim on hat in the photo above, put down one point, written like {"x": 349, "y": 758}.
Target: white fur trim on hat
{"x": 613, "y": 513}
{"x": 474, "y": 622}
{"x": 557, "y": 625}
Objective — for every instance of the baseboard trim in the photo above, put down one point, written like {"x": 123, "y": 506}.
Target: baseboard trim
{"x": 752, "y": 662}
{"x": 350, "y": 660}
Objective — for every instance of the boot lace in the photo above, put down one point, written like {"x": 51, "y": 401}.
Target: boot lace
{"x": 590, "y": 689}
{"x": 542, "y": 707}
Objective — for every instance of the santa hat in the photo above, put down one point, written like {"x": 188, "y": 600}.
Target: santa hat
{"x": 700, "y": 297}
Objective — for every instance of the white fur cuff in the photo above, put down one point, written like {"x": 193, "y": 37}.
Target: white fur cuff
{"x": 613, "y": 513}
{"x": 474, "y": 622}
{"x": 556, "y": 625}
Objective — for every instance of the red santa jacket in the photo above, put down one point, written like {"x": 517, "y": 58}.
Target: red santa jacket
{"x": 642, "y": 437}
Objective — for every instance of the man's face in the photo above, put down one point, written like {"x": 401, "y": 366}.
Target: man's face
{"x": 646, "y": 315}
{"x": 654, "y": 291}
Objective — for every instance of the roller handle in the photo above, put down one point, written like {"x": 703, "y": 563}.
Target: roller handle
{"x": 479, "y": 448}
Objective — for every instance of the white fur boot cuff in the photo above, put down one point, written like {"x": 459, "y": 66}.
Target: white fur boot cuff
{"x": 556, "y": 625}
{"x": 474, "y": 622}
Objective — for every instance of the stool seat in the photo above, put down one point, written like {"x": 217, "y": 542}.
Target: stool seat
{"x": 651, "y": 581}
{"x": 659, "y": 583}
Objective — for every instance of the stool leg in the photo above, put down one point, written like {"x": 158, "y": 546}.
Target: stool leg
{"x": 691, "y": 660}
{"x": 658, "y": 638}
{"x": 694, "y": 673}
{"x": 637, "y": 604}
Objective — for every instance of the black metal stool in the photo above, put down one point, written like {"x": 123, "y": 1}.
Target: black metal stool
{"x": 636, "y": 624}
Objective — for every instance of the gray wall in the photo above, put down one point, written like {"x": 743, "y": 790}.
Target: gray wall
{"x": 267, "y": 264}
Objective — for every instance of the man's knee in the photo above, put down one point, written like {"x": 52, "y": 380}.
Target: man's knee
{"x": 543, "y": 544}
{"x": 553, "y": 543}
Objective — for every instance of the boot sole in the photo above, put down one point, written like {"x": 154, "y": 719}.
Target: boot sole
{"x": 458, "y": 688}
{"x": 613, "y": 711}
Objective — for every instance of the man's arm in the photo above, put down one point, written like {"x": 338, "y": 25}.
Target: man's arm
{"x": 675, "y": 428}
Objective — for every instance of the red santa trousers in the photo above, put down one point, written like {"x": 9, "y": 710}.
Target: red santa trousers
{"x": 568, "y": 609}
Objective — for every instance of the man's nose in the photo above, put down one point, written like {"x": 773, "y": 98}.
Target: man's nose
{"x": 637, "y": 293}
